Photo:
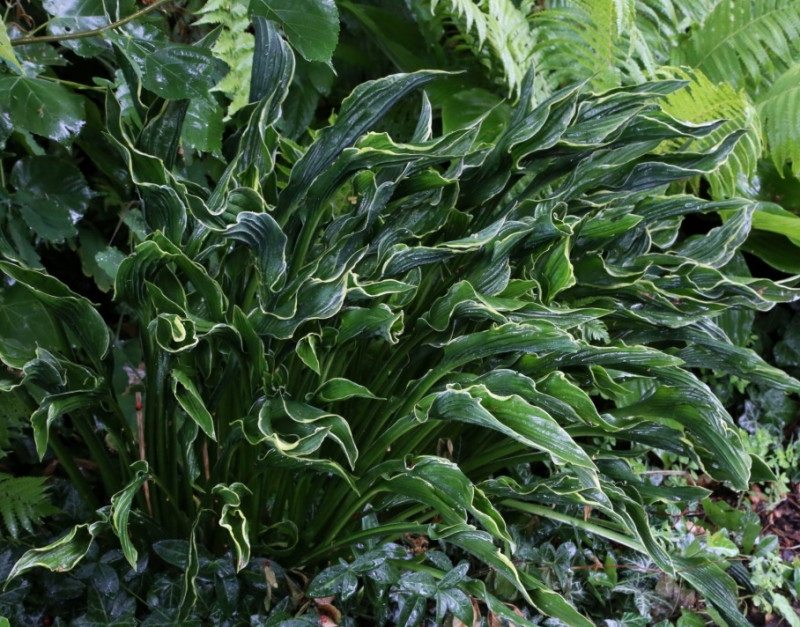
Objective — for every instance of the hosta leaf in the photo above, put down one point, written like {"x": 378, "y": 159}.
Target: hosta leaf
{"x": 367, "y": 104}
{"x": 441, "y": 485}
{"x": 121, "y": 504}
{"x": 188, "y": 397}
{"x": 76, "y": 314}
{"x": 307, "y": 351}
{"x": 262, "y": 234}
{"x": 149, "y": 257}
{"x": 312, "y": 26}
{"x": 511, "y": 416}
{"x": 297, "y": 430}
{"x": 202, "y": 127}
{"x": 164, "y": 211}
{"x": 724, "y": 357}
{"x": 379, "y": 321}
{"x": 273, "y": 63}
{"x": 43, "y": 107}
{"x": 61, "y": 555}
{"x": 480, "y": 544}
{"x": 315, "y": 300}
{"x": 715, "y": 585}
{"x": 702, "y": 415}
{"x": 339, "y": 389}
{"x": 554, "y": 271}
{"x": 234, "y": 520}
{"x": 174, "y": 333}
{"x": 533, "y": 337}
{"x": 25, "y": 326}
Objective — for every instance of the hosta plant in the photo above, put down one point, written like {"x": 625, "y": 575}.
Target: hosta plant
{"x": 350, "y": 352}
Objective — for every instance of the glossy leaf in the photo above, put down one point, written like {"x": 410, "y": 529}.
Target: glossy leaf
{"x": 121, "y": 504}
{"x": 6, "y": 50}
{"x": 312, "y": 26}
{"x": 511, "y": 416}
{"x": 43, "y": 107}
{"x": 63, "y": 554}
{"x": 188, "y": 397}
{"x": 178, "y": 71}
{"x": 76, "y": 314}
{"x": 233, "y": 519}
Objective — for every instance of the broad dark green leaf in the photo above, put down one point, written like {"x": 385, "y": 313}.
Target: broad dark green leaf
{"x": 273, "y": 64}
{"x": 74, "y": 16}
{"x": 178, "y": 71}
{"x": 312, "y": 26}
{"x": 25, "y": 326}
{"x": 202, "y": 126}
{"x": 367, "y": 104}
{"x": 511, "y": 416}
{"x": 43, "y": 107}
{"x": 161, "y": 135}
{"x": 52, "y": 195}
{"x": 76, "y": 314}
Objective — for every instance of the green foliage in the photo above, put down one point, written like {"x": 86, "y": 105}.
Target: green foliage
{"x": 319, "y": 350}
{"x": 234, "y": 46}
{"x": 495, "y": 30}
{"x": 703, "y": 100}
{"x": 778, "y": 110}
{"x": 23, "y": 503}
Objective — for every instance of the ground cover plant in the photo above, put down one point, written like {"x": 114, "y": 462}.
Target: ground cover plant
{"x": 384, "y": 367}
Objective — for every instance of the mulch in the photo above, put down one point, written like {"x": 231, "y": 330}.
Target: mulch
{"x": 783, "y": 521}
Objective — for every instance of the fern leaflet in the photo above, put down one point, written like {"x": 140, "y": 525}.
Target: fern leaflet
{"x": 498, "y": 25}
{"x": 780, "y": 114}
{"x": 703, "y": 101}
{"x": 743, "y": 42}
{"x": 23, "y": 503}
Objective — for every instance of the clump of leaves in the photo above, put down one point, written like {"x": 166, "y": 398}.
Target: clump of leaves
{"x": 448, "y": 334}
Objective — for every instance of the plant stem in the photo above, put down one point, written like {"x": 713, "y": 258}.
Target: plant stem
{"x": 546, "y": 512}
{"x": 392, "y": 530}
{"x": 72, "y": 470}
{"x": 22, "y": 41}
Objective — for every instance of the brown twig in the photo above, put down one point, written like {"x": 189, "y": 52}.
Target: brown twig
{"x": 22, "y": 41}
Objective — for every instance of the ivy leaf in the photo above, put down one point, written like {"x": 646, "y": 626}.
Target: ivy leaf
{"x": 312, "y": 26}
{"x": 42, "y": 107}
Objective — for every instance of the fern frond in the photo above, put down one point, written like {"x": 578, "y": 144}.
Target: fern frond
{"x": 779, "y": 109}
{"x": 744, "y": 42}
{"x": 703, "y": 101}
{"x": 234, "y": 46}
{"x": 23, "y": 503}
{"x": 592, "y": 38}
{"x": 498, "y": 27}
{"x": 663, "y": 22}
